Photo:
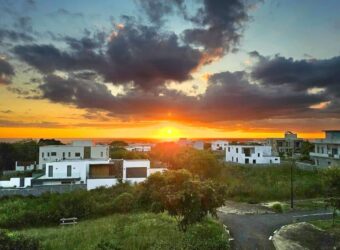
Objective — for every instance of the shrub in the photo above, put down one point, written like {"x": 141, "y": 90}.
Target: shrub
{"x": 14, "y": 241}
{"x": 123, "y": 203}
{"x": 277, "y": 207}
{"x": 207, "y": 236}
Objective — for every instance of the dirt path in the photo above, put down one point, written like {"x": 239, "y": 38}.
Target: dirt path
{"x": 253, "y": 231}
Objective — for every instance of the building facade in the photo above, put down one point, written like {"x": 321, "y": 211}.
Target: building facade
{"x": 95, "y": 173}
{"x": 327, "y": 151}
{"x": 288, "y": 146}
{"x": 249, "y": 154}
{"x": 219, "y": 145}
{"x": 77, "y": 150}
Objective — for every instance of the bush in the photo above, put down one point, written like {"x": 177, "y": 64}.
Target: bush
{"x": 123, "y": 203}
{"x": 14, "y": 241}
{"x": 207, "y": 236}
{"x": 277, "y": 207}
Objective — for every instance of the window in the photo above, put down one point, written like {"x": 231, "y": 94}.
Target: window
{"x": 236, "y": 150}
{"x": 42, "y": 154}
{"x": 246, "y": 161}
{"x": 254, "y": 161}
{"x": 69, "y": 154}
{"x": 77, "y": 154}
{"x": 232, "y": 158}
{"x": 69, "y": 171}
{"x": 258, "y": 154}
{"x": 101, "y": 154}
{"x": 228, "y": 149}
{"x": 236, "y": 159}
{"x": 50, "y": 171}
{"x": 63, "y": 155}
{"x": 136, "y": 172}
{"x": 48, "y": 154}
{"x": 53, "y": 153}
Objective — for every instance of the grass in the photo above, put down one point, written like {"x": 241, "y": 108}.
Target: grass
{"x": 260, "y": 184}
{"x": 132, "y": 231}
{"x": 328, "y": 225}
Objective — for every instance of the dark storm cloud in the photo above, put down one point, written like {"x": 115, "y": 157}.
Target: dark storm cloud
{"x": 15, "y": 36}
{"x": 135, "y": 53}
{"x": 217, "y": 24}
{"x": 298, "y": 75}
{"x": 148, "y": 58}
{"x": 47, "y": 58}
{"x": 229, "y": 96}
{"x": 6, "y": 72}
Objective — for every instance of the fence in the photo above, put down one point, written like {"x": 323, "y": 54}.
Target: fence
{"x": 38, "y": 190}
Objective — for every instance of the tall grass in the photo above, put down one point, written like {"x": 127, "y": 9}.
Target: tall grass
{"x": 133, "y": 231}
{"x": 246, "y": 183}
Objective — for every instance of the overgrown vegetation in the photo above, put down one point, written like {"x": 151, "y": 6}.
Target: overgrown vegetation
{"x": 17, "y": 241}
{"x": 184, "y": 197}
{"x": 132, "y": 231}
{"x": 258, "y": 184}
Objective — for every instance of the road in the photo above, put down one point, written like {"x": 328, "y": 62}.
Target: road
{"x": 253, "y": 231}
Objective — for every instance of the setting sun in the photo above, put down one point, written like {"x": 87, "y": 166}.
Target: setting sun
{"x": 168, "y": 133}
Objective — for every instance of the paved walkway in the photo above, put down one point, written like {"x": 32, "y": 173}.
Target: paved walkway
{"x": 253, "y": 231}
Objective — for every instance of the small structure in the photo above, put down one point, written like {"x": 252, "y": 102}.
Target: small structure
{"x": 24, "y": 166}
{"x": 219, "y": 145}
{"x": 250, "y": 154}
{"x": 289, "y": 145}
{"x": 139, "y": 147}
{"x": 327, "y": 151}
{"x": 77, "y": 150}
{"x": 17, "y": 182}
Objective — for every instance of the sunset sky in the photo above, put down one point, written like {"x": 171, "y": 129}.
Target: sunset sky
{"x": 169, "y": 69}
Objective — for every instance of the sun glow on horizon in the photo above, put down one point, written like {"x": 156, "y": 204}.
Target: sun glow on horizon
{"x": 168, "y": 133}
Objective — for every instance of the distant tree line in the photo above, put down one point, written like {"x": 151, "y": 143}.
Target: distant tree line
{"x": 24, "y": 151}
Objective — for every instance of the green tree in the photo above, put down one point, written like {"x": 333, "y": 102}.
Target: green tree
{"x": 183, "y": 196}
{"x": 118, "y": 144}
{"x": 306, "y": 148}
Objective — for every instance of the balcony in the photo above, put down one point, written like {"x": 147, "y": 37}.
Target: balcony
{"x": 74, "y": 175}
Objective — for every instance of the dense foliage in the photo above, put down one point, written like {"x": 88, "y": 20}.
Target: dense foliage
{"x": 122, "y": 153}
{"x": 186, "y": 198}
{"x": 199, "y": 162}
{"x": 15, "y": 241}
{"x": 48, "y": 209}
{"x": 24, "y": 151}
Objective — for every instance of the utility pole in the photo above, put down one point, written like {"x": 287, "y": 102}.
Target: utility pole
{"x": 292, "y": 184}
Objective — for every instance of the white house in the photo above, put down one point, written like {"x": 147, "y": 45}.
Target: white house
{"x": 327, "y": 151}
{"x": 249, "y": 154}
{"x": 138, "y": 147}
{"x": 77, "y": 150}
{"x": 95, "y": 173}
{"x": 219, "y": 145}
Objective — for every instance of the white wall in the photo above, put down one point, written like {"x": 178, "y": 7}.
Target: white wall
{"x": 219, "y": 145}
{"x": 69, "y": 152}
{"x": 80, "y": 169}
{"x": 260, "y": 154}
{"x": 15, "y": 182}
